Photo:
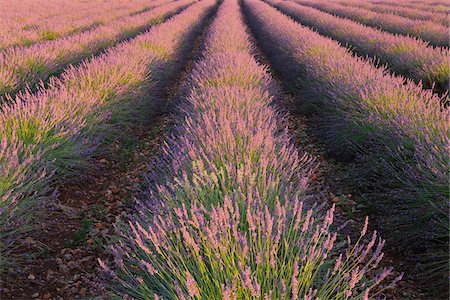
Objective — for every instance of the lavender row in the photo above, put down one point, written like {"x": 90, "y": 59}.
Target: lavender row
{"x": 28, "y": 22}
{"x": 22, "y": 67}
{"x": 224, "y": 218}
{"x": 56, "y": 129}
{"x": 431, "y": 32}
{"x": 407, "y": 56}
{"x": 407, "y": 12}
{"x": 398, "y": 130}
{"x": 428, "y": 2}
{"x": 433, "y": 6}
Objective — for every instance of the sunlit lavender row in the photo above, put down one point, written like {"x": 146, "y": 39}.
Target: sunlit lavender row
{"x": 29, "y": 22}
{"x": 225, "y": 217}
{"x": 436, "y": 34}
{"x": 398, "y": 129}
{"x": 27, "y": 66}
{"x": 53, "y": 131}
{"x": 408, "y": 12}
{"x": 432, "y": 6}
{"x": 407, "y": 56}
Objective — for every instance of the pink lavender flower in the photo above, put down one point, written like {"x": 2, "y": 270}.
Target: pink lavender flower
{"x": 191, "y": 286}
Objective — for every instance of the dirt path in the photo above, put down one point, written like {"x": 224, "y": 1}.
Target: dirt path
{"x": 61, "y": 252}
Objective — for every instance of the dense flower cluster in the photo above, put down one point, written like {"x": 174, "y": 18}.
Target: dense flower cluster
{"x": 434, "y": 33}
{"x": 225, "y": 217}
{"x": 404, "y": 55}
{"x": 54, "y": 129}
{"x": 22, "y": 67}
{"x": 398, "y": 130}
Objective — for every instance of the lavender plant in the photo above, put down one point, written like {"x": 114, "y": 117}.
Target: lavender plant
{"x": 15, "y": 194}
{"x": 56, "y": 130}
{"x": 224, "y": 218}
{"x": 398, "y": 130}
{"x": 200, "y": 253}
{"x": 22, "y": 67}
{"x": 406, "y": 56}
{"x": 431, "y": 32}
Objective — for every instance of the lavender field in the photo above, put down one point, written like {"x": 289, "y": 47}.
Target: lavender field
{"x": 224, "y": 149}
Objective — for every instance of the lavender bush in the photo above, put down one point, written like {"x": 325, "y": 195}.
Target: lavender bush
{"x": 55, "y": 129}
{"x": 399, "y": 129}
{"x": 407, "y": 56}
{"x": 22, "y": 67}
{"x": 200, "y": 253}
{"x": 431, "y": 32}
{"x": 224, "y": 219}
